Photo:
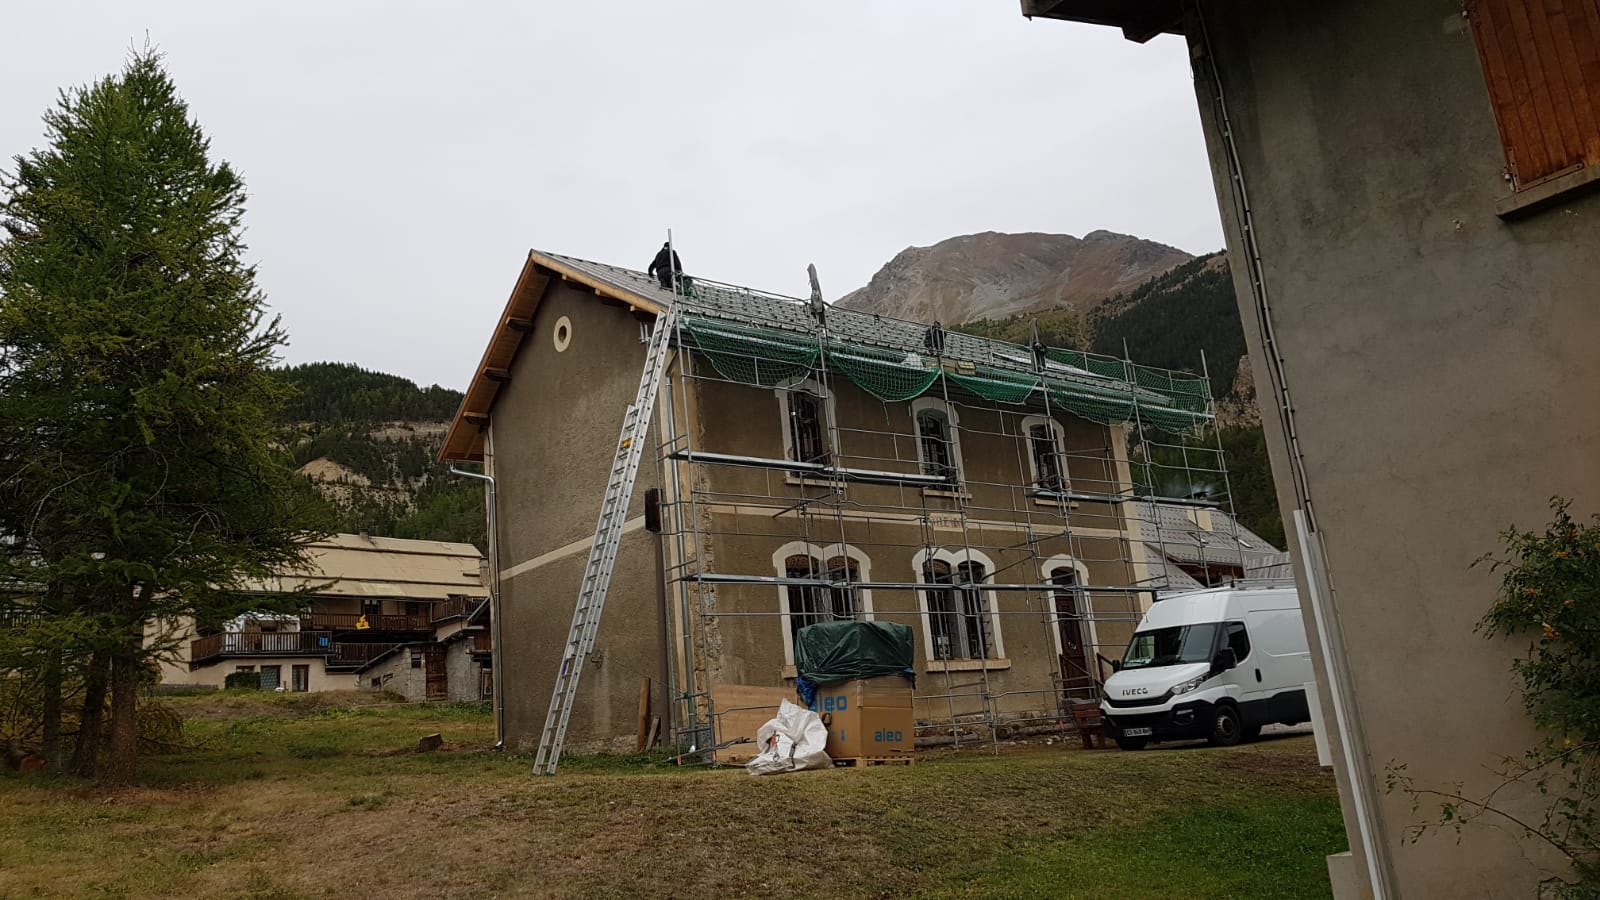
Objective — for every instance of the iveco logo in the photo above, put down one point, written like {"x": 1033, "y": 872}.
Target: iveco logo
{"x": 1134, "y": 692}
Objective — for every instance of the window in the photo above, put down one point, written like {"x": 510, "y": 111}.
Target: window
{"x": 811, "y": 604}
{"x": 371, "y": 607}
{"x": 301, "y": 679}
{"x": 1046, "y": 464}
{"x": 244, "y": 668}
{"x": 937, "y": 451}
{"x": 1074, "y": 640}
{"x": 1541, "y": 63}
{"x": 1238, "y": 641}
{"x": 960, "y": 624}
{"x": 271, "y": 677}
{"x": 805, "y": 410}
{"x": 841, "y": 567}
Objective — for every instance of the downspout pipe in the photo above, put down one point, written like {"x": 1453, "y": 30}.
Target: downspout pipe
{"x": 494, "y": 609}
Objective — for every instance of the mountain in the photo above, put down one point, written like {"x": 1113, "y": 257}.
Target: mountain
{"x": 1109, "y": 293}
{"x": 365, "y": 442}
{"x": 993, "y": 275}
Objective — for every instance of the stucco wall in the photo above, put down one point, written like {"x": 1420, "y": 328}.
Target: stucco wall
{"x": 555, "y": 425}
{"x": 320, "y": 679}
{"x": 1442, "y": 364}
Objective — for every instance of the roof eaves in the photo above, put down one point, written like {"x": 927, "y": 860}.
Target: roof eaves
{"x": 463, "y": 442}
{"x": 1140, "y": 20}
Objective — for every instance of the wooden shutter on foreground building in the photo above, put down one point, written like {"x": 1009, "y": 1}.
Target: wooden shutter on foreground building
{"x": 1541, "y": 59}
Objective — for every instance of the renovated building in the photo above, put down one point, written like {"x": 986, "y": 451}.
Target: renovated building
{"x": 378, "y": 613}
{"x": 1407, "y": 192}
{"x": 807, "y": 464}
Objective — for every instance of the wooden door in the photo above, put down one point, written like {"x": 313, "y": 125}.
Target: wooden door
{"x": 438, "y": 682}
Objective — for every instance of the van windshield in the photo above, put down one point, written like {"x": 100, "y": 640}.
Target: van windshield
{"x": 1171, "y": 646}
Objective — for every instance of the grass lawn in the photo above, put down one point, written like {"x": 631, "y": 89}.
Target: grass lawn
{"x": 318, "y": 796}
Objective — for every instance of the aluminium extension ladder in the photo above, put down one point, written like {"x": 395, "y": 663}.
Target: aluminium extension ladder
{"x": 603, "y": 551}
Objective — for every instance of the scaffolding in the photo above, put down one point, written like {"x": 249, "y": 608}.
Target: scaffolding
{"x": 980, "y": 491}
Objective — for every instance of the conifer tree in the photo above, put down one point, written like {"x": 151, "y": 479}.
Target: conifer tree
{"x": 138, "y": 483}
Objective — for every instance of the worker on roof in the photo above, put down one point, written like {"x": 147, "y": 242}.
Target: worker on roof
{"x": 665, "y": 265}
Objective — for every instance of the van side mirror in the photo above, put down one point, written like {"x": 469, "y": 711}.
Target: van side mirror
{"x": 1116, "y": 665}
{"x": 1226, "y": 659}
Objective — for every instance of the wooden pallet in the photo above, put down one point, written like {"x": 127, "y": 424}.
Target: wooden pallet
{"x": 859, "y": 761}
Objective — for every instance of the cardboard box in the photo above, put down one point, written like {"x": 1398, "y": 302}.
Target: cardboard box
{"x": 867, "y": 717}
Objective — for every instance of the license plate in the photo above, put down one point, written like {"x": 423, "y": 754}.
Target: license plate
{"x": 1136, "y": 732}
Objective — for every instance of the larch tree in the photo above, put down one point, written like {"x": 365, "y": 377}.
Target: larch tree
{"x": 137, "y": 470}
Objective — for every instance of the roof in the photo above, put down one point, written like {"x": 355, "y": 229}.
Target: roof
{"x": 1176, "y": 535}
{"x": 1140, "y": 20}
{"x": 352, "y": 565}
{"x": 730, "y": 322}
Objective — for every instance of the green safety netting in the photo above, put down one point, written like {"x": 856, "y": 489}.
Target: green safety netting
{"x": 770, "y": 357}
{"x": 884, "y": 374}
{"x": 996, "y": 384}
{"x": 753, "y": 356}
{"x": 1104, "y": 366}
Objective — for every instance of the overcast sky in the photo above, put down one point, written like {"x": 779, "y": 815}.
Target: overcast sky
{"x": 402, "y": 157}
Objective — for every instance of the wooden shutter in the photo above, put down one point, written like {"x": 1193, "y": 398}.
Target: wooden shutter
{"x": 1541, "y": 59}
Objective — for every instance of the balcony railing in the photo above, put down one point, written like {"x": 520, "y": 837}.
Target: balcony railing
{"x": 291, "y": 643}
{"x": 356, "y": 655}
{"x": 454, "y": 607}
{"x": 321, "y": 621}
{"x": 261, "y": 643}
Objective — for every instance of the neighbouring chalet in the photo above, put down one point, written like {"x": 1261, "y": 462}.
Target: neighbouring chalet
{"x": 382, "y": 614}
{"x": 812, "y": 463}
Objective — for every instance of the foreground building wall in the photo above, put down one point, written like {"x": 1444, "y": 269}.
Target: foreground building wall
{"x": 1441, "y": 361}
{"x": 550, "y": 447}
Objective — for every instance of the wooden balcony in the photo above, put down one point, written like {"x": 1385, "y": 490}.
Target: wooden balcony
{"x": 354, "y": 656}
{"x": 339, "y": 654}
{"x": 482, "y": 642}
{"x": 259, "y": 643}
{"x": 321, "y": 621}
{"x": 456, "y": 607}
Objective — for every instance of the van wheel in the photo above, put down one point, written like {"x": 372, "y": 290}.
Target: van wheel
{"x": 1131, "y": 743}
{"x": 1226, "y": 729}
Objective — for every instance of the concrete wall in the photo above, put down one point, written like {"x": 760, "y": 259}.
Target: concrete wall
{"x": 215, "y": 675}
{"x": 463, "y": 673}
{"x": 555, "y": 426}
{"x": 1442, "y": 363}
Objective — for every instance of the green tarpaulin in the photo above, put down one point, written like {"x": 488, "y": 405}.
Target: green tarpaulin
{"x": 837, "y": 651}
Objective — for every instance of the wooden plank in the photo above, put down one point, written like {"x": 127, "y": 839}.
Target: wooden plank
{"x": 655, "y": 732}
{"x": 741, "y": 710}
{"x": 643, "y": 737}
{"x": 1568, "y": 44}
{"x": 1481, "y": 15}
{"x": 1562, "y": 128}
{"x": 1543, "y": 132}
{"x": 1582, "y": 21}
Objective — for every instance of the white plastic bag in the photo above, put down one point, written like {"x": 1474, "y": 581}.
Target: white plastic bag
{"x": 791, "y": 742}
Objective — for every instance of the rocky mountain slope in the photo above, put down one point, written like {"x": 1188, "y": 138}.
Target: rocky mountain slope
{"x": 992, "y": 275}
{"x": 365, "y": 442}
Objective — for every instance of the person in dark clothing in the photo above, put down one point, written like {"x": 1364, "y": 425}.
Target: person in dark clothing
{"x": 665, "y": 265}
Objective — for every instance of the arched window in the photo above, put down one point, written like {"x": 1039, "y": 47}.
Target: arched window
{"x": 938, "y": 449}
{"x": 1046, "y": 440}
{"x": 960, "y": 620}
{"x": 812, "y": 604}
{"x": 1073, "y": 627}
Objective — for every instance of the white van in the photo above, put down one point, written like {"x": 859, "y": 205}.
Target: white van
{"x": 1215, "y": 664}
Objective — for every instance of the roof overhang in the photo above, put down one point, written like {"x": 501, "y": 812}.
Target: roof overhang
{"x": 1140, "y": 20}
{"x": 464, "y": 441}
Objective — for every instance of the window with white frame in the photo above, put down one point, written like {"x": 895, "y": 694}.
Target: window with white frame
{"x": 938, "y": 453}
{"x": 1074, "y": 626}
{"x": 960, "y": 618}
{"x": 1046, "y": 464}
{"x": 836, "y": 599}
{"x": 805, "y": 422}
